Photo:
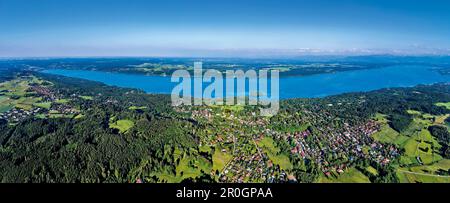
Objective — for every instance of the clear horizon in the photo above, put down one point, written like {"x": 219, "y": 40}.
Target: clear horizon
{"x": 248, "y": 29}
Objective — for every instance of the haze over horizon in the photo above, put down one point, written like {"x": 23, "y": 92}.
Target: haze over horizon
{"x": 249, "y": 28}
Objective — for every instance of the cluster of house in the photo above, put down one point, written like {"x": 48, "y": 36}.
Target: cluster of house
{"x": 251, "y": 167}
{"x": 45, "y": 92}
{"x": 16, "y": 115}
{"x": 64, "y": 109}
{"x": 243, "y": 167}
{"x": 333, "y": 144}
{"x": 334, "y": 148}
{"x": 202, "y": 113}
{"x": 249, "y": 163}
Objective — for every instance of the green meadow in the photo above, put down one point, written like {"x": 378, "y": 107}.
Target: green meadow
{"x": 122, "y": 125}
{"x": 425, "y": 173}
{"x": 16, "y": 95}
{"x": 87, "y": 97}
{"x": 189, "y": 165}
{"x": 446, "y": 105}
{"x": 278, "y": 158}
{"x": 192, "y": 166}
{"x": 45, "y": 105}
{"x": 137, "y": 107}
{"x": 62, "y": 101}
{"x": 351, "y": 175}
{"x": 421, "y": 158}
{"x": 220, "y": 159}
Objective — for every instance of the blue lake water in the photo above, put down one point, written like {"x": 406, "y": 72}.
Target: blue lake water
{"x": 290, "y": 87}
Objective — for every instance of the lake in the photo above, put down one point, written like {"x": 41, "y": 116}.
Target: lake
{"x": 312, "y": 86}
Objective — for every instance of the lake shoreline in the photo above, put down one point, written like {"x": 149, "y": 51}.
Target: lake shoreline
{"x": 312, "y": 86}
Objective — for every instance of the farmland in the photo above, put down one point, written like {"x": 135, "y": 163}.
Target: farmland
{"x": 421, "y": 158}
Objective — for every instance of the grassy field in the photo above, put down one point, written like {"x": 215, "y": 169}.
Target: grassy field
{"x": 268, "y": 146}
{"x": 177, "y": 153}
{"x": 137, "y": 107}
{"x": 372, "y": 170}
{"x": 15, "y": 87}
{"x": 381, "y": 118}
{"x": 40, "y": 116}
{"x": 189, "y": 166}
{"x": 62, "y": 101}
{"x": 4, "y": 104}
{"x": 192, "y": 166}
{"x": 351, "y": 175}
{"x": 421, "y": 144}
{"x": 122, "y": 125}
{"x": 389, "y": 135}
{"x": 87, "y": 97}
{"x": 79, "y": 116}
{"x": 17, "y": 95}
{"x": 418, "y": 143}
{"x": 45, "y": 105}
{"x": 220, "y": 159}
{"x": 5, "y": 108}
{"x": 232, "y": 108}
{"x": 27, "y": 103}
{"x": 425, "y": 173}
{"x": 205, "y": 149}
{"x": 446, "y": 105}
{"x": 427, "y": 142}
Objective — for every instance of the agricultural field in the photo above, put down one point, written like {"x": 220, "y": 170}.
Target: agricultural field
{"x": 421, "y": 143}
{"x": 421, "y": 148}
{"x": 16, "y": 94}
{"x": 416, "y": 140}
{"x": 425, "y": 173}
{"x": 4, "y": 104}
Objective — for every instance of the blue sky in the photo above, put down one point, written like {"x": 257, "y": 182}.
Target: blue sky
{"x": 222, "y": 28}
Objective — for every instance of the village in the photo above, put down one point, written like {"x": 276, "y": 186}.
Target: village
{"x": 31, "y": 98}
{"x": 334, "y": 148}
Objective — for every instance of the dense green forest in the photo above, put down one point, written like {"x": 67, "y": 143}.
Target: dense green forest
{"x": 86, "y": 149}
